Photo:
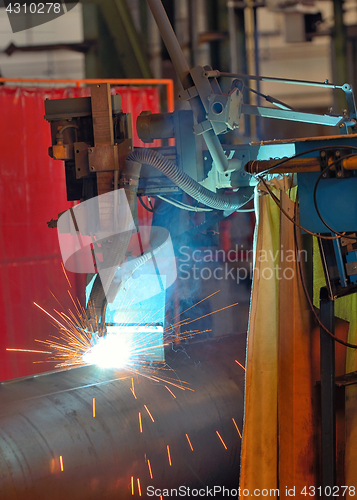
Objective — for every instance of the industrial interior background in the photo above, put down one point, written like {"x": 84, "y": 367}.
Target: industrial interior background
{"x": 119, "y": 39}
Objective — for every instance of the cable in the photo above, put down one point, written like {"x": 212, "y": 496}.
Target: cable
{"x": 183, "y": 206}
{"x": 276, "y": 80}
{"x": 272, "y": 100}
{"x": 297, "y": 155}
{"x": 146, "y": 207}
{"x": 307, "y": 295}
{"x": 189, "y": 185}
{"x": 277, "y": 201}
{"x": 341, "y": 235}
{"x": 151, "y": 205}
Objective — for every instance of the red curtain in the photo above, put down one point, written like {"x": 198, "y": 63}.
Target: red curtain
{"x": 32, "y": 188}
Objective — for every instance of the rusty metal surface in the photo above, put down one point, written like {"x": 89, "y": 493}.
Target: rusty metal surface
{"x": 50, "y": 416}
{"x": 103, "y": 158}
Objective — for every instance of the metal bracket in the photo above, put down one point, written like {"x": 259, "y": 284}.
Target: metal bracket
{"x": 186, "y": 95}
{"x": 103, "y": 158}
{"x": 202, "y": 127}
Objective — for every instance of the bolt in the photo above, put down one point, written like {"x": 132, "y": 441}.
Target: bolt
{"x": 90, "y": 150}
{"x": 337, "y": 153}
{"x": 339, "y": 174}
{"x": 323, "y": 154}
{"x": 92, "y": 168}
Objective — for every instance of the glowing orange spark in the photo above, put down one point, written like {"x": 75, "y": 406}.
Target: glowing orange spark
{"x": 132, "y": 485}
{"x": 64, "y": 272}
{"x": 238, "y": 363}
{"x": 147, "y": 409}
{"x": 189, "y": 442}
{"x": 209, "y": 314}
{"x": 150, "y": 471}
{"x": 169, "y": 454}
{"x": 74, "y": 303}
{"x": 29, "y": 350}
{"x": 133, "y": 388}
{"x": 220, "y": 437}
{"x": 61, "y": 463}
{"x": 158, "y": 379}
{"x": 50, "y": 315}
{"x": 140, "y": 424}
{"x": 139, "y": 487}
{"x": 172, "y": 394}
{"x": 194, "y": 305}
{"x": 236, "y": 426}
{"x": 93, "y": 407}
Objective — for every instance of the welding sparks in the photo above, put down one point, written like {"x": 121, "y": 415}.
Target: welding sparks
{"x": 150, "y": 471}
{"x": 132, "y": 388}
{"x": 236, "y": 426}
{"x": 61, "y": 462}
{"x": 189, "y": 442}
{"x": 220, "y": 437}
{"x": 30, "y": 350}
{"x": 172, "y": 394}
{"x": 140, "y": 424}
{"x": 169, "y": 455}
{"x": 238, "y": 363}
{"x": 79, "y": 342}
{"x": 139, "y": 487}
{"x": 132, "y": 485}
{"x": 64, "y": 272}
{"x": 196, "y": 304}
{"x": 147, "y": 409}
{"x": 209, "y": 314}
{"x": 111, "y": 351}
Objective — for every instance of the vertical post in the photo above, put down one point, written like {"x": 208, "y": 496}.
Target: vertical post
{"x": 328, "y": 397}
{"x": 238, "y": 51}
{"x": 183, "y": 72}
{"x": 258, "y": 120}
{"x": 339, "y": 54}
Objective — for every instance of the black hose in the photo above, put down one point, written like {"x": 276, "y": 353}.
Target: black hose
{"x": 189, "y": 185}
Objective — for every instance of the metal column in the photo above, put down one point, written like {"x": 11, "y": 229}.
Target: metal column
{"x": 328, "y": 396}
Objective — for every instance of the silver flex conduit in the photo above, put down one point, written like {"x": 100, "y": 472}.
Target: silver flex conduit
{"x": 189, "y": 185}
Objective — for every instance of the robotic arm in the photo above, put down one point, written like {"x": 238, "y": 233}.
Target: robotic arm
{"x": 93, "y": 137}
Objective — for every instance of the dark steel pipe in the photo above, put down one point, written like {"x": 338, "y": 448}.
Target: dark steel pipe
{"x": 46, "y": 417}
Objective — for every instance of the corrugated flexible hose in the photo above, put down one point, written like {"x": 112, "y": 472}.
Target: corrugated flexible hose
{"x": 189, "y": 185}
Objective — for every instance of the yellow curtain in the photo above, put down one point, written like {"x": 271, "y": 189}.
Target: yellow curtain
{"x": 277, "y": 448}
